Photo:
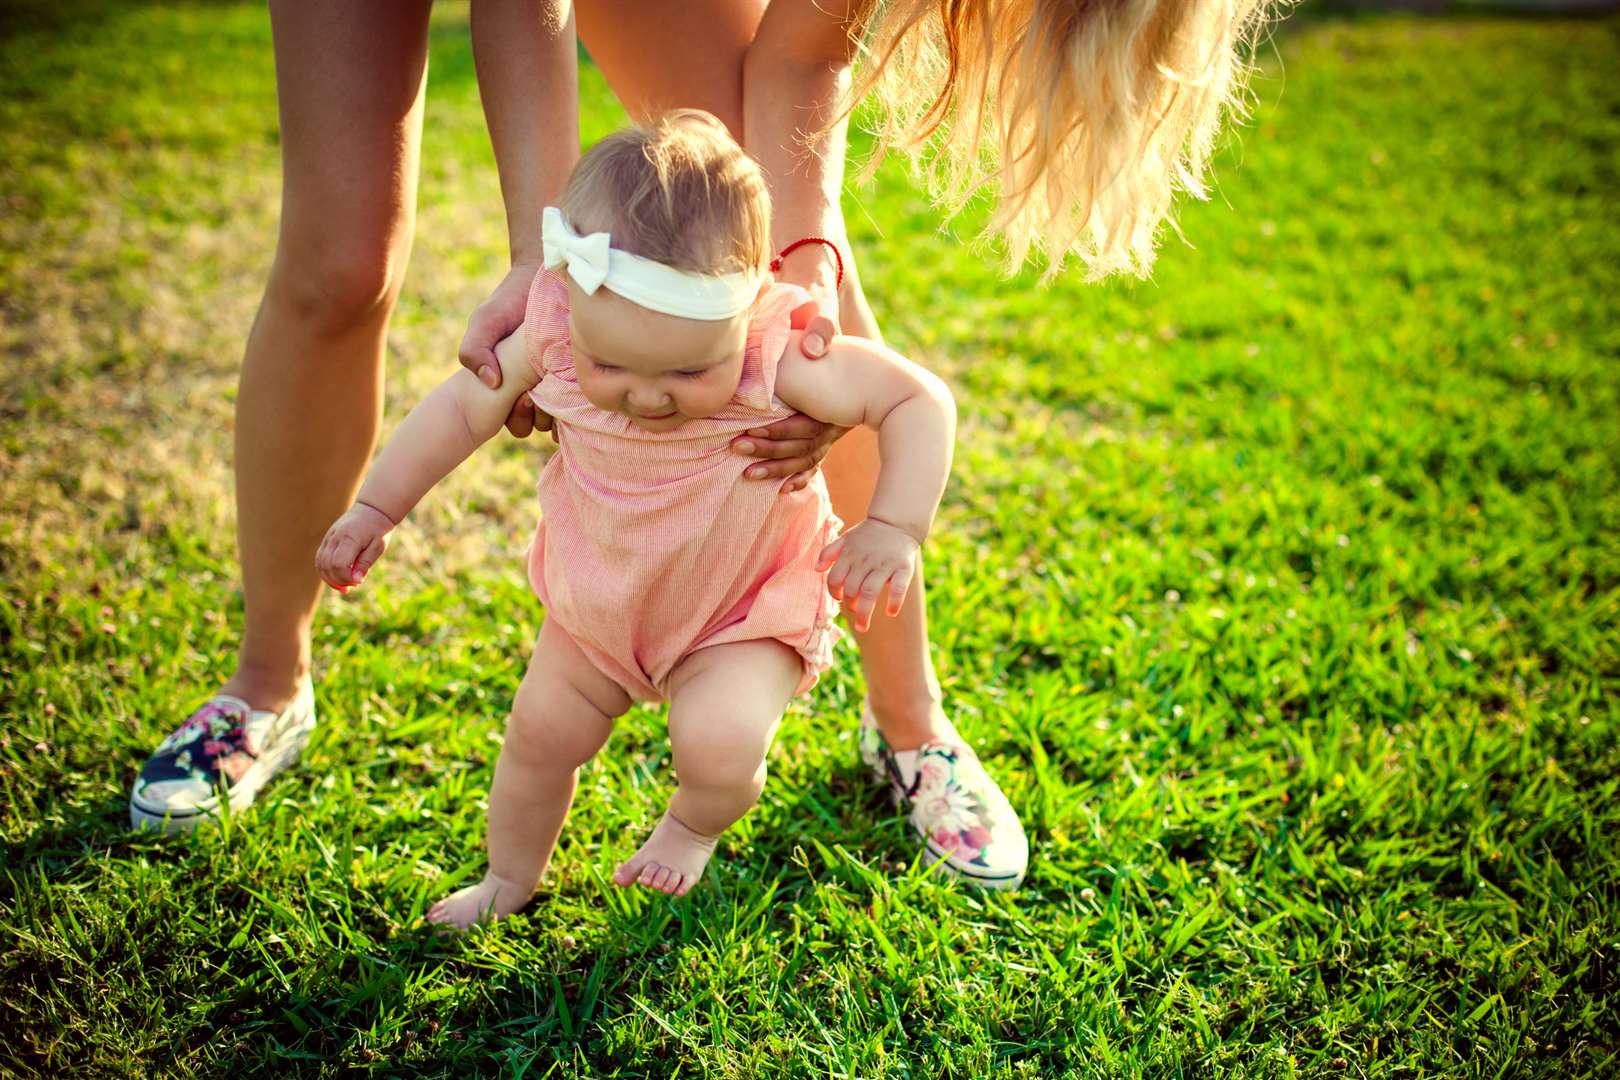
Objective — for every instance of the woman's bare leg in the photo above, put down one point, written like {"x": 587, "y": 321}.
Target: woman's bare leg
{"x": 628, "y": 41}
{"x": 350, "y": 79}
{"x": 900, "y": 682}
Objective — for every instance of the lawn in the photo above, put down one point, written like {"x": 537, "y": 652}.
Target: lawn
{"x": 1281, "y": 592}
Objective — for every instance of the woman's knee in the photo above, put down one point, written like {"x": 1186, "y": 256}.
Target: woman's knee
{"x": 629, "y": 41}
{"x": 331, "y": 291}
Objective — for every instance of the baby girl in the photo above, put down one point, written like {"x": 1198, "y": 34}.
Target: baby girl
{"x": 655, "y": 337}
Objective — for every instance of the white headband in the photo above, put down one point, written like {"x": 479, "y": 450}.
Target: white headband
{"x": 592, "y": 262}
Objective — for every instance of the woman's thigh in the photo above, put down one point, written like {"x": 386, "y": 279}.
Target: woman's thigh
{"x": 640, "y": 47}
{"x": 350, "y": 79}
{"x": 629, "y": 42}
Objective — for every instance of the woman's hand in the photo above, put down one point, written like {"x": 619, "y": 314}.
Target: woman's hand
{"x": 792, "y": 447}
{"x": 865, "y": 559}
{"x": 818, "y": 328}
{"x": 496, "y": 318}
{"x": 353, "y": 543}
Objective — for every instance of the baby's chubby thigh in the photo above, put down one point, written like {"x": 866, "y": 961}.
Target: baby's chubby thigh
{"x": 725, "y": 704}
{"x": 564, "y": 708}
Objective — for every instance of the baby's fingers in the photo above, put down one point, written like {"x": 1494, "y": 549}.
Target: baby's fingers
{"x": 829, "y": 555}
{"x": 899, "y": 585}
{"x": 334, "y": 560}
{"x": 837, "y": 577}
{"x": 362, "y": 562}
{"x": 865, "y": 599}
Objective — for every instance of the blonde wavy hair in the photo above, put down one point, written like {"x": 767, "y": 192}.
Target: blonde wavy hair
{"x": 1085, "y": 117}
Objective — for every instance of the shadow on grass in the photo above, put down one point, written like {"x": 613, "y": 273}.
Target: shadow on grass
{"x": 254, "y": 959}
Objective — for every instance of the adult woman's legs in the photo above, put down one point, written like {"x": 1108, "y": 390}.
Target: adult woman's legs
{"x": 981, "y": 839}
{"x": 628, "y": 42}
{"x": 350, "y": 79}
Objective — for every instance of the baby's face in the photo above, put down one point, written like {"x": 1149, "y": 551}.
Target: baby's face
{"x": 659, "y": 370}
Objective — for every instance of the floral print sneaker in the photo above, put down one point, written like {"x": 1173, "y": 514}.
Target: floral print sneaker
{"x": 223, "y": 753}
{"x": 959, "y": 813}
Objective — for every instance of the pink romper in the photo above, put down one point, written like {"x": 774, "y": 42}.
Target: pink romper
{"x": 652, "y": 545}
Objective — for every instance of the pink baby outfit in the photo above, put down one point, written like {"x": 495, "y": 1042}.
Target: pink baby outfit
{"x": 653, "y": 545}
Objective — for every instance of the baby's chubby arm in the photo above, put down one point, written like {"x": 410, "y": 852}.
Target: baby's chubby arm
{"x": 456, "y": 418}
{"x": 860, "y": 382}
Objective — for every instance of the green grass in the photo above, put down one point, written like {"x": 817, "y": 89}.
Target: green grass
{"x": 1282, "y": 593}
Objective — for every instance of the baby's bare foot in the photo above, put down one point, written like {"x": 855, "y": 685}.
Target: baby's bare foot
{"x": 491, "y": 899}
{"x": 671, "y": 860}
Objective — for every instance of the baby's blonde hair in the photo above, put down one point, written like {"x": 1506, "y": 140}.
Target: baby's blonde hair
{"x": 1085, "y": 116}
{"x": 678, "y": 190}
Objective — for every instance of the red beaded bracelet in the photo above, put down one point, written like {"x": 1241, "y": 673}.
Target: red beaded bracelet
{"x": 776, "y": 263}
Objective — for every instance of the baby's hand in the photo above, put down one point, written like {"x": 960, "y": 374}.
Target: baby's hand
{"x": 863, "y": 560}
{"x": 352, "y": 544}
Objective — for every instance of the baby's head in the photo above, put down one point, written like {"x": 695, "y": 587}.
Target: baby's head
{"x": 679, "y": 192}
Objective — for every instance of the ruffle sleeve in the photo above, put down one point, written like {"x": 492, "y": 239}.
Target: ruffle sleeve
{"x": 768, "y": 333}
{"x": 545, "y": 327}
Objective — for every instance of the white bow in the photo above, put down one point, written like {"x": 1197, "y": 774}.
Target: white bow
{"x": 585, "y": 256}
{"x": 593, "y": 262}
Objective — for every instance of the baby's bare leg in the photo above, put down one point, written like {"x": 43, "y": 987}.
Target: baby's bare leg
{"x": 562, "y": 715}
{"x": 725, "y": 703}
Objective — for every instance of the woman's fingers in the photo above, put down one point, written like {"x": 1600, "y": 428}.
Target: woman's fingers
{"x": 805, "y": 314}
{"x": 817, "y": 337}
{"x": 775, "y": 448}
{"x": 771, "y": 470}
{"x": 495, "y": 318}
{"x": 477, "y": 353}
{"x": 758, "y": 440}
{"x": 788, "y": 448}
{"x": 521, "y": 420}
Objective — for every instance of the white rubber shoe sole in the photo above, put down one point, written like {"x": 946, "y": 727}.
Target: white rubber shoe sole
{"x": 283, "y": 741}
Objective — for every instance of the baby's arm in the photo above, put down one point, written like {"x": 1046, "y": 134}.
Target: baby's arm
{"x": 860, "y": 382}
{"x": 456, "y": 418}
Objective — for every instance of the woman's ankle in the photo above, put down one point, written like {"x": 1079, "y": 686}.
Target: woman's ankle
{"x": 908, "y": 723}
{"x": 272, "y": 689}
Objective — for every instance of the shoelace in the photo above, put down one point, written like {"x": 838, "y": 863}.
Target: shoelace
{"x": 239, "y": 729}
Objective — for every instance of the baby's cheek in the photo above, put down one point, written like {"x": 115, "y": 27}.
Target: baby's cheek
{"x": 710, "y": 399}
{"x": 599, "y": 393}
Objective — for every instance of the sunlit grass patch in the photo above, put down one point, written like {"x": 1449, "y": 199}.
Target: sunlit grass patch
{"x": 1280, "y": 592}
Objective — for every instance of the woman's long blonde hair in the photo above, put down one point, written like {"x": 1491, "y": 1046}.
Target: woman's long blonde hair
{"x": 1085, "y": 117}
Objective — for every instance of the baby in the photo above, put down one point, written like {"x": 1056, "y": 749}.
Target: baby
{"x": 654, "y": 337}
